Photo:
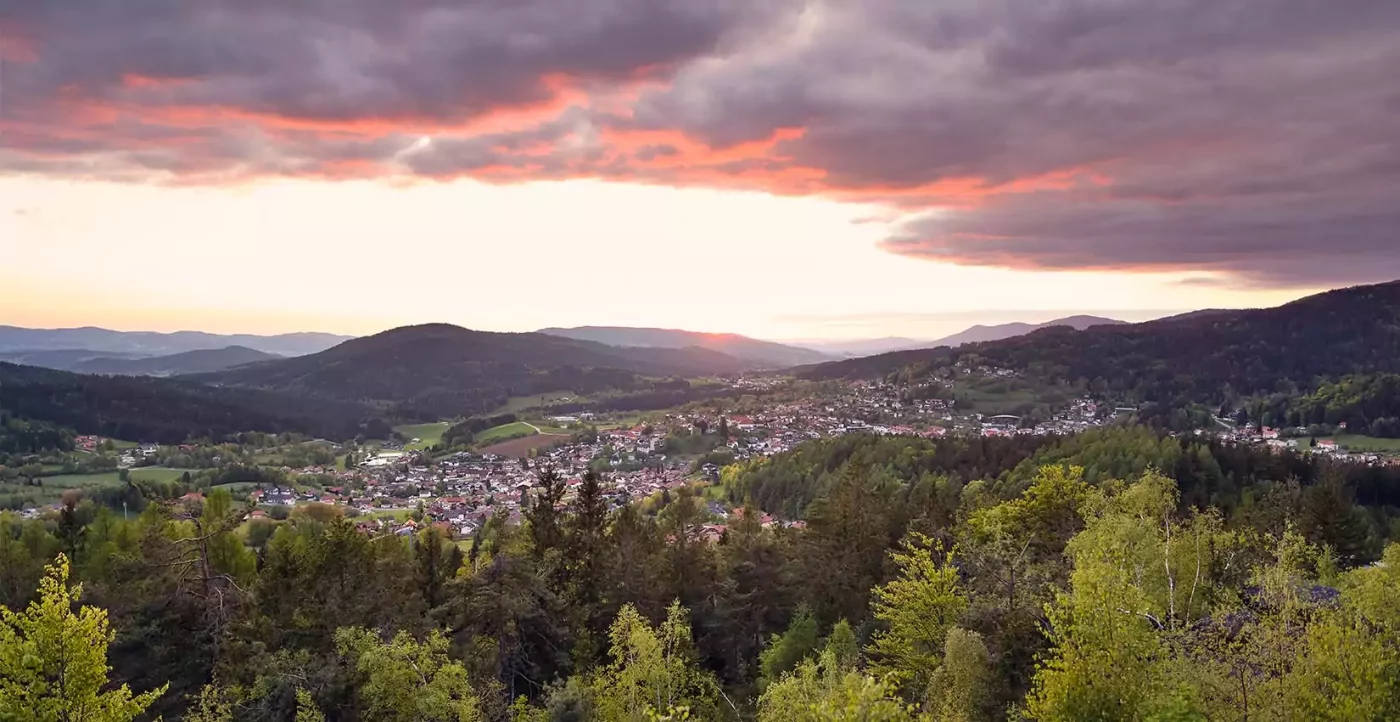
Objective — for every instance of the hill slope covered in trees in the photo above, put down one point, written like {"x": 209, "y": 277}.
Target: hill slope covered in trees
{"x": 189, "y": 362}
{"x": 443, "y": 371}
{"x": 1193, "y": 358}
{"x": 167, "y": 411}
{"x": 762, "y": 353}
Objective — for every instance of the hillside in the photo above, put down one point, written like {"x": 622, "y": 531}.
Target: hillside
{"x": 973, "y": 334}
{"x": 149, "y": 343}
{"x": 165, "y": 410}
{"x": 851, "y": 348}
{"x": 1193, "y": 358}
{"x": 763, "y": 353}
{"x": 63, "y": 359}
{"x": 981, "y": 333}
{"x": 189, "y": 362}
{"x": 440, "y": 370}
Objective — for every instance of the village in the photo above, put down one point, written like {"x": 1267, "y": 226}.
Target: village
{"x": 401, "y": 491}
{"x": 397, "y": 486}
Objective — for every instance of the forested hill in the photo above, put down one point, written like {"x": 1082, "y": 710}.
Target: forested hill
{"x": 189, "y": 362}
{"x": 167, "y": 411}
{"x": 763, "y": 353}
{"x": 1193, "y": 357}
{"x": 442, "y": 370}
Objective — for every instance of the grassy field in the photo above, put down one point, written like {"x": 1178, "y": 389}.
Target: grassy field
{"x": 521, "y": 447}
{"x": 1357, "y": 442}
{"x": 75, "y": 481}
{"x": 395, "y": 514}
{"x": 52, "y": 487}
{"x": 505, "y": 431}
{"x": 1007, "y": 396}
{"x": 427, "y": 434}
{"x": 238, "y": 486}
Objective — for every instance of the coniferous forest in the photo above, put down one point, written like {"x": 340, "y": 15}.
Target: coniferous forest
{"x": 1118, "y": 574}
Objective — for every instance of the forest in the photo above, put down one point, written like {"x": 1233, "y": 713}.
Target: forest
{"x": 1287, "y": 352}
{"x": 1121, "y": 574}
{"x": 167, "y": 411}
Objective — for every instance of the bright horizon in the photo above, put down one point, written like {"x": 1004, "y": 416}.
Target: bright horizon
{"x": 795, "y": 170}
{"x": 360, "y": 257}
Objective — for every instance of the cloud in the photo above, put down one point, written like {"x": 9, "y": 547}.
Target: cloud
{"x": 1252, "y": 140}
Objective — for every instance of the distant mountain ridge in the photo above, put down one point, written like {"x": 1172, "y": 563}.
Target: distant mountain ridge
{"x": 442, "y": 371}
{"x": 1202, "y": 357}
{"x": 862, "y": 347}
{"x": 189, "y": 362}
{"x": 972, "y": 334}
{"x": 981, "y": 333}
{"x": 150, "y": 343}
{"x": 766, "y": 353}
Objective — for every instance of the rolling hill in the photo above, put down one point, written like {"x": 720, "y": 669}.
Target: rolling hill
{"x": 441, "y": 371}
{"x": 851, "y": 348}
{"x": 62, "y": 359}
{"x": 166, "y": 410}
{"x": 149, "y": 343}
{"x": 189, "y": 362}
{"x": 972, "y": 334}
{"x": 980, "y": 333}
{"x": 1197, "y": 357}
{"x": 761, "y": 353}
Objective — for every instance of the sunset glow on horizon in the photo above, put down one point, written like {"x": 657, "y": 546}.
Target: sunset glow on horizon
{"x": 793, "y": 170}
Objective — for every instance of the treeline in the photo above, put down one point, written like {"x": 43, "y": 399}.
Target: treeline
{"x": 166, "y": 411}
{"x": 19, "y": 437}
{"x": 1362, "y": 404}
{"x": 463, "y": 432}
{"x": 1353, "y": 508}
{"x": 787, "y": 483}
{"x": 663, "y": 394}
{"x": 1211, "y": 358}
{"x": 1052, "y": 592}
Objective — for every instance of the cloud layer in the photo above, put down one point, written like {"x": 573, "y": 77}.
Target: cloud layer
{"x": 1256, "y": 139}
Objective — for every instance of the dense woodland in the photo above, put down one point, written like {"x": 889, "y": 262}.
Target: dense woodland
{"x": 441, "y": 371}
{"x": 167, "y": 411}
{"x": 1114, "y": 575}
{"x": 1216, "y": 358}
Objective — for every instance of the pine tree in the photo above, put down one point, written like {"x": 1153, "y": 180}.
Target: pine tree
{"x": 587, "y": 558}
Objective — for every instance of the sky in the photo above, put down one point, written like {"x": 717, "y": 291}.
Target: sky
{"x": 791, "y": 169}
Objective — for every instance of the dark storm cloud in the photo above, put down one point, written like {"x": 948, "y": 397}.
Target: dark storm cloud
{"x": 1259, "y": 139}
{"x": 356, "y": 59}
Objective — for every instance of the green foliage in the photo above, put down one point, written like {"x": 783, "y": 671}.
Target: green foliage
{"x": 53, "y": 662}
{"x": 404, "y": 680}
{"x": 959, "y": 689}
{"x": 917, "y": 609}
{"x": 307, "y": 711}
{"x": 831, "y": 690}
{"x": 653, "y": 671}
{"x": 785, "y": 652}
{"x": 1217, "y": 587}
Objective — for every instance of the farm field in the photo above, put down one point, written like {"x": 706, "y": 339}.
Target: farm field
{"x": 503, "y": 432}
{"x": 427, "y": 434}
{"x": 521, "y": 447}
{"x": 52, "y": 487}
{"x": 1358, "y": 442}
{"x": 75, "y": 481}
